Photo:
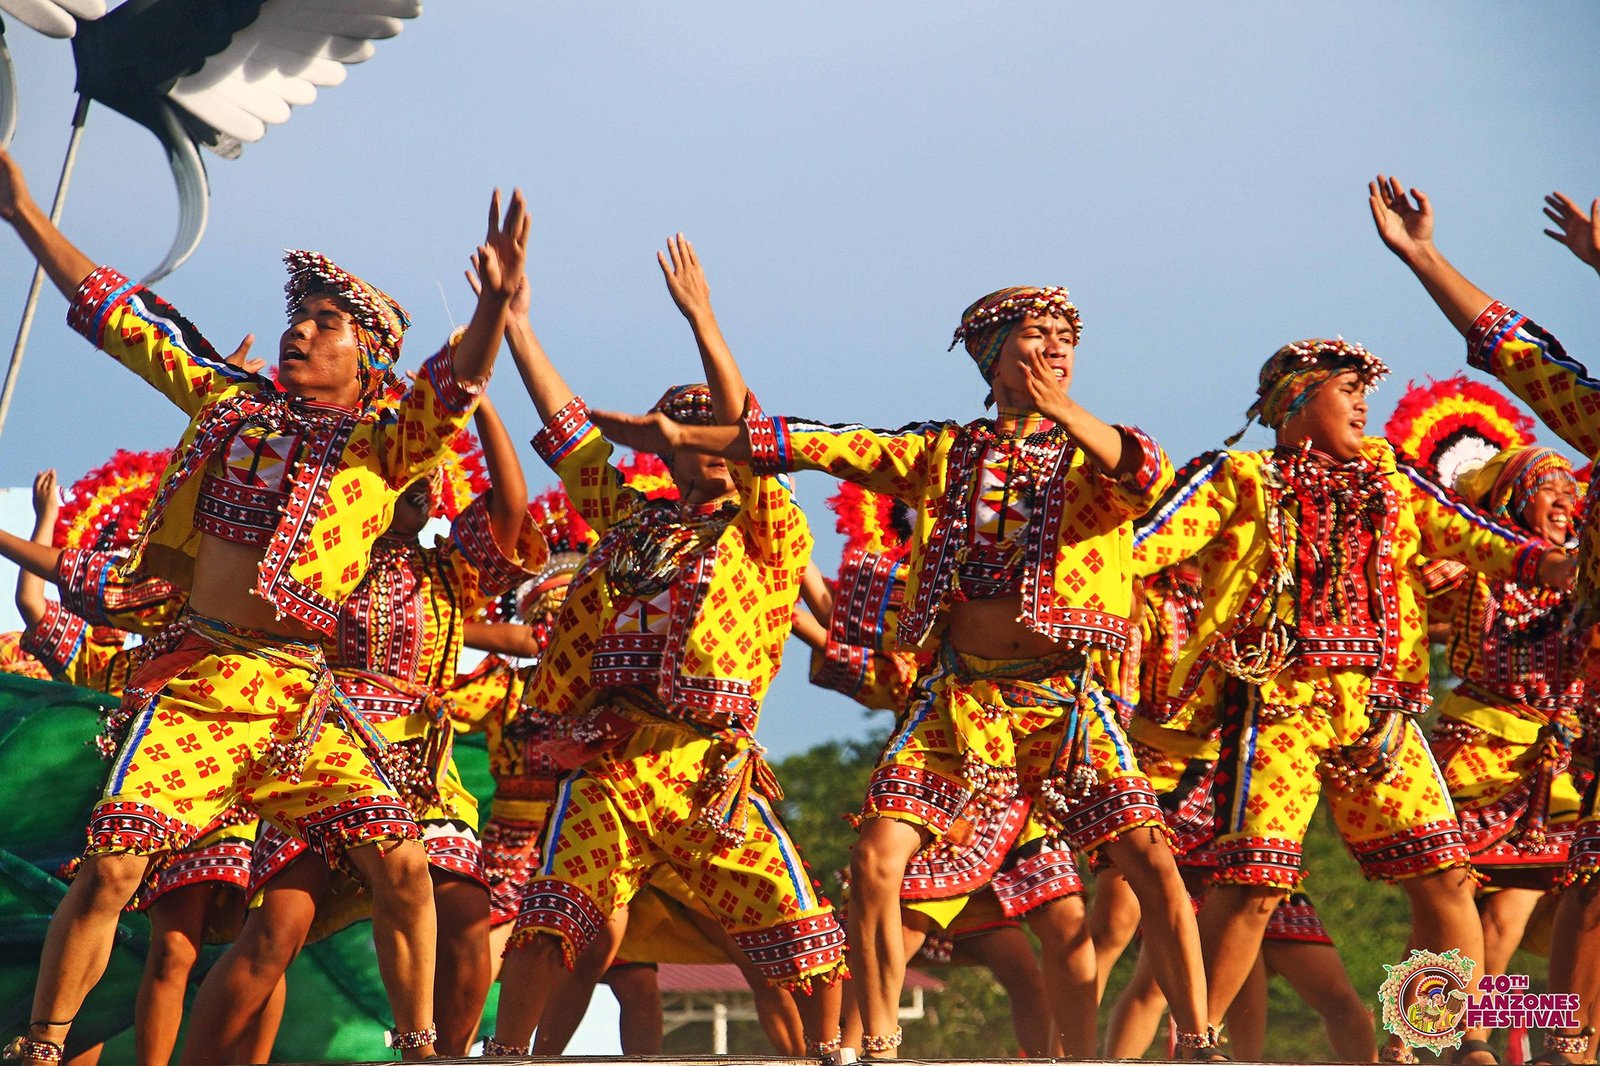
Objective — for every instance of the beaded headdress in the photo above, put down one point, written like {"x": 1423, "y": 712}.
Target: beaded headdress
{"x": 1504, "y": 485}
{"x": 104, "y": 507}
{"x": 687, "y": 404}
{"x": 987, "y": 322}
{"x": 380, "y": 321}
{"x": 1290, "y": 378}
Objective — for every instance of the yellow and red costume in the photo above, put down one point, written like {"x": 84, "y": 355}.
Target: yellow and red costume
{"x": 1533, "y": 365}
{"x": 1010, "y": 853}
{"x": 394, "y": 655}
{"x": 1311, "y": 647}
{"x": 669, "y": 636}
{"x": 995, "y": 516}
{"x": 219, "y": 715}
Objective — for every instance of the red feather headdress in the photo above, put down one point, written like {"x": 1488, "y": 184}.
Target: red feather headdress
{"x": 104, "y": 507}
{"x": 1451, "y": 426}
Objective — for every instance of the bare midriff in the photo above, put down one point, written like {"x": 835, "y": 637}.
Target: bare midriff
{"x": 989, "y": 629}
{"x": 224, "y": 589}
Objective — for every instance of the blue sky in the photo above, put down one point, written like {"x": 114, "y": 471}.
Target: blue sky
{"x": 853, "y": 175}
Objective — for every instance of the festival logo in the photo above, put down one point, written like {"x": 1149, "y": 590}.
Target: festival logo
{"x": 1427, "y": 1005}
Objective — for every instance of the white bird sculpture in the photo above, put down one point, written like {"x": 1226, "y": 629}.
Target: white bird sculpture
{"x": 196, "y": 73}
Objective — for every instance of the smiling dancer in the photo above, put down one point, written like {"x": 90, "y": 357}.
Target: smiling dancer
{"x": 1017, "y": 571}
{"x": 1531, "y": 363}
{"x": 267, "y": 515}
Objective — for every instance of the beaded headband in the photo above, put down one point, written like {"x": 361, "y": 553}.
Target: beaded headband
{"x": 1290, "y": 378}
{"x": 379, "y": 319}
{"x": 687, "y": 404}
{"x": 1504, "y": 485}
{"x": 987, "y": 322}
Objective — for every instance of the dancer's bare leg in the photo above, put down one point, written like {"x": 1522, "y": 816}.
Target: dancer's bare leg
{"x": 1008, "y": 954}
{"x": 404, "y": 931}
{"x": 1444, "y": 915}
{"x": 1113, "y": 920}
{"x": 638, "y": 995}
{"x": 1232, "y": 921}
{"x": 1136, "y": 1015}
{"x": 877, "y": 943}
{"x": 568, "y": 999}
{"x": 1317, "y": 975}
{"x": 526, "y": 977}
{"x": 1247, "y": 1017}
{"x": 1069, "y": 972}
{"x": 233, "y": 1008}
{"x": 78, "y": 943}
{"x": 1575, "y": 955}
{"x": 775, "y": 1007}
{"x": 1504, "y": 914}
{"x": 1170, "y": 937}
{"x": 461, "y": 983}
{"x": 177, "y": 932}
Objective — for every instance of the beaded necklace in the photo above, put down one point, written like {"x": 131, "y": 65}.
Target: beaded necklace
{"x": 654, "y": 544}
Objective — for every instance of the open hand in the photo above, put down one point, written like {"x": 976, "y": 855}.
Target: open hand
{"x": 46, "y": 494}
{"x": 1579, "y": 230}
{"x": 1406, "y": 225}
{"x": 241, "y": 357}
{"x": 500, "y": 259}
{"x": 685, "y": 280}
{"x": 654, "y": 432}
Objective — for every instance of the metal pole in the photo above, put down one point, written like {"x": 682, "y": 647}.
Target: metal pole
{"x": 78, "y": 117}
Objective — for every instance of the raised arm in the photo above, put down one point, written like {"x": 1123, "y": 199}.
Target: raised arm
{"x": 1405, "y": 224}
{"x": 499, "y": 263}
{"x": 686, "y": 281}
{"x": 30, "y": 585}
{"x": 61, "y": 259}
{"x": 1576, "y": 228}
{"x": 546, "y": 387}
{"x": 508, "y": 504}
{"x": 1105, "y": 445}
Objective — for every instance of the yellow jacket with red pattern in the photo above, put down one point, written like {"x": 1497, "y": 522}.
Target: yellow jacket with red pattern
{"x": 1222, "y": 512}
{"x": 1077, "y": 559}
{"x": 731, "y": 606}
{"x": 342, "y": 490}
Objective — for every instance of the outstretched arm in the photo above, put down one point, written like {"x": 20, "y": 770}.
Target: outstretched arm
{"x": 499, "y": 263}
{"x": 1104, "y": 444}
{"x": 503, "y": 638}
{"x": 686, "y": 281}
{"x": 545, "y": 385}
{"x": 508, "y": 504}
{"x": 30, "y": 585}
{"x": 1405, "y": 224}
{"x": 61, "y": 259}
{"x": 1576, "y": 228}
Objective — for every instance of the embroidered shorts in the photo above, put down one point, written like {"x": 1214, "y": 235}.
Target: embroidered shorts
{"x": 1036, "y": 870}
{"x": 1583, "y": 859}
{"x": 1517, "y": 811}
{"x": 220, "y": 857}
{"x": 201, "y": 722}
{"x": 630, "y": 811}
{"x": 510, "y": 853}
{"x": 984, "y": 731}
{"x": 1269, "y": 780}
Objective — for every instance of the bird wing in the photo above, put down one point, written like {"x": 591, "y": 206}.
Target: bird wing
{"x": 279, "y": 61}
{"x": 53, "y": 18}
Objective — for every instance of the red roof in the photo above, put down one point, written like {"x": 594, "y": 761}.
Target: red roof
{"x": 725, "y": 977}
